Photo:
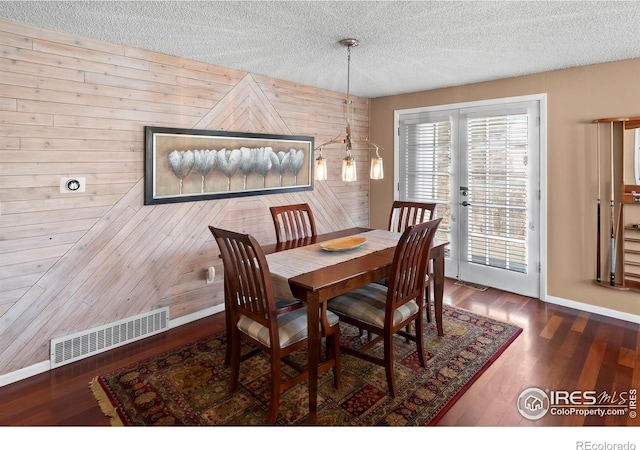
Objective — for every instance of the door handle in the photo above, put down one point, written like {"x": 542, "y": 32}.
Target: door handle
{"x": 466, "y": 203}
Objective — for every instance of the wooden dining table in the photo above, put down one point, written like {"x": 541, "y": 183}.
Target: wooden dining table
{"x": 330, "y": 279}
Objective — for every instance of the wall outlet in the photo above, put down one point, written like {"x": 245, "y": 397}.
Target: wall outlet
{"x": 70, "y": 185}
{"x": 211, "y": 275}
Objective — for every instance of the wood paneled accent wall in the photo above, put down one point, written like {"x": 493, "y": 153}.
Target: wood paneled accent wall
{"x": 74, "y": 106}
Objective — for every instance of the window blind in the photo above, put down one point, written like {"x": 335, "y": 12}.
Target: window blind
{"x": 425, "y": 165}
{"x": 497, "y": 181}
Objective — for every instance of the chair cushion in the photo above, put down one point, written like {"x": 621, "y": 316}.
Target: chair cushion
{"x": 367, "y": 304}
{"x": 292, "y": 327}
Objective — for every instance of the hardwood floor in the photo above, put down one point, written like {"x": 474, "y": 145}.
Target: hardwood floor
{"x": 559, "y": 349}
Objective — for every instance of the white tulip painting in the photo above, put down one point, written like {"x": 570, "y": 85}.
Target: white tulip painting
{"x": 187, "y": 165}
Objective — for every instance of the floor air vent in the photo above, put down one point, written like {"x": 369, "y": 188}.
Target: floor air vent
{"x": 76, "y": 346}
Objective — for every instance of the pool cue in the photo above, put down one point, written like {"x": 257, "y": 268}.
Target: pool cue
{"x": 598, "y": 245}
{"x": 612, "y": 280}
{"x": 619, "y": 221}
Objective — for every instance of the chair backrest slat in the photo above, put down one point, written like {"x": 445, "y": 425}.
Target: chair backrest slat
{"x": 293, "y": 222}
{"x": 405, "y": 214}
{"x": 407, "y": 279}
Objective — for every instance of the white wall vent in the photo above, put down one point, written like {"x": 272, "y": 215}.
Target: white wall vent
{"x": 76, "y": 346}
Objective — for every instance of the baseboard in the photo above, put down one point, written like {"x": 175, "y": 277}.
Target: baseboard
{"x": 22, "y": 374}
{"x": 593, "y": 309}
{"x": 45, "y": 366}
{"x": 183, "y": 320}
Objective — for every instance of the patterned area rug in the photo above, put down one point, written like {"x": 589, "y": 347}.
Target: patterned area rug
{"x": 189, "y": 386}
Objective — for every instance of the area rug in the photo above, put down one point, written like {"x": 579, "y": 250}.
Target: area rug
{"x": 190, "y": 385}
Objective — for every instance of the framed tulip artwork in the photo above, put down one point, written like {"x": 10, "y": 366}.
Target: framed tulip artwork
{"x": 184, "y": 165}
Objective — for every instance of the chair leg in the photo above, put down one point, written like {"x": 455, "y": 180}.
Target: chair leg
{"x": 233, "y": 347}
{"x": 227, "y": 320}
{"x": 227, "y": 354}
{"x": 228, "y": 350}
{"x": 333, "y": 343}
{"x": 427, "y": 298}
{"x": 388, "y": 364}
{"x": 369, "y": 336}
{"x": 274, "y": 402}
{"x": 420, "y": 339}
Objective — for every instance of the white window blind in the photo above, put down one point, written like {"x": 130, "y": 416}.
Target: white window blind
{"x": 425, "y": 165}
{"x": 497, "y": 165}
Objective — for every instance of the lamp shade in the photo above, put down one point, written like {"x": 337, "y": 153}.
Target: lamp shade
{"x": 320, "y": 169}
{"x": 377, "y": 170}
{"x": 349, "y": 169}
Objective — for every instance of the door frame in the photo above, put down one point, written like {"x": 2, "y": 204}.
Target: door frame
{"x": 542, "y": 163}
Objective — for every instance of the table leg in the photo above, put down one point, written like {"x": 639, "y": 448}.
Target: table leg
{"x": 313, "y": 322}
{"x": 438, "y": 289}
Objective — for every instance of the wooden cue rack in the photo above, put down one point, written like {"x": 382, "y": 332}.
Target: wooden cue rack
{"x": 616, "y": 152}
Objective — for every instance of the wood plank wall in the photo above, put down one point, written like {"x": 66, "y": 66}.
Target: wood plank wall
{"x": 74, "y": 106}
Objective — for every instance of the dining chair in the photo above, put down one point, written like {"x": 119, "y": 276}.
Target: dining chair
{"x": 386, "y": 311}
{"x": 404, "y": 214}
{"x": 255, "y": 318}
{"x": 293, "y": 222}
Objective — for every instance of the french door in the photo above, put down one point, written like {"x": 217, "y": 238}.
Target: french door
{"x": 480, "y": 164}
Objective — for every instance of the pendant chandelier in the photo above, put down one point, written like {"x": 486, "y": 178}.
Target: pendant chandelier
{"x": 349, "y": 162}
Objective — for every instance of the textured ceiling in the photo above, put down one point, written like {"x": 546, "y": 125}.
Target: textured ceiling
{"x": 404, "y": 46}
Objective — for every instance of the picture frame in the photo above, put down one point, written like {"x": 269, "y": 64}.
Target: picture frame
{"x": 184, "y": 165}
